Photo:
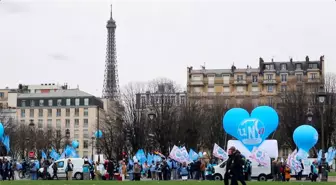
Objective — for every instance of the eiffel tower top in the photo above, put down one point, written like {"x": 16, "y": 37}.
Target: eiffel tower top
{"x": 111, "y": 23}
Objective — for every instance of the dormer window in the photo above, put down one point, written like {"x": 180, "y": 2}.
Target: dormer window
{"x": 269, "y": 67}
{"x": 312, "y": 66}
{"x": 298, "y": 66}
{"x": 283, "y": 66}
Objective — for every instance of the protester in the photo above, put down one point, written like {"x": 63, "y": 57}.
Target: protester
{"x": 299, "y": 175}
{"x": 314, "y": 171}
{"x": 69, "y": 169}
{"x": 137, "y": 171}
{"x": 152, "y": 170}
{"x": 287, "y": 173}
{"x": 86, "y": 170}
{"x": 209, "y": 171}
{"x": 228, "y": 172}
{"x": 237, "y": 167}
{"x": 184, "y": 171}
{"x": 123, "y": 170}
{"x": 55, "y": 169}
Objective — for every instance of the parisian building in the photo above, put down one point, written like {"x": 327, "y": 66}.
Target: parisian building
{"x": 61, "y": 110}
{"x": 259, "y": 86}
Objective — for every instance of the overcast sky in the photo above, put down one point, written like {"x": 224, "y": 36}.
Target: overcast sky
{"x": 58, "y": 41}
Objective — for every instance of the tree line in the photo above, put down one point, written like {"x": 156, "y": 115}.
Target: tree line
{"x": 195, "y": 124}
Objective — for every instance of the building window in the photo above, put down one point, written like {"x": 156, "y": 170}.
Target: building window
{"x": 86, "y": 134}
{"x": 299, "y": 77}
{"x": 226, "y": 79}
{"x": 76, "y": 111}
{"x": 77, "y": 101}
{"x": 58, "y": 124}
{"x": 58, "y": 112}
{"x": 86, "y": 101}
{"x": 86, "y": 123}
{"x": 312, "y": 66}
{"x": 172, "y": 99}
{"x": 58, "y": 134}
{"x": 313, "y": 75}
{"x": 283, "y": 88}
{"x": 269, "y": 77}
{"x": 32, "y": 103}
{"x": 269, "y": 67}
{"x": 2, "y": 94}
{"x": 31, "y": 113}
{"x": 86, "y": 112}
{"x": 68, "y": 102}
{"x": 40, "y": 112}
{"x": 255, "y": 102}
{"x": 240, "y": 78}
{"x": 59, "y": 102}
{"x": 182, "y": 100}
{"x": 85, "y": 144}
{"x": 226, "y": 89}
{"x": 23, "y": 103}
{"x": 76, "y": 134}
{"x": 23, "y": 113}
{"x": 50, "y": 103}
{"x": 254, "y": 78}
{"x": 143, "y": 101}
{"x": 40, "y": 123}
{"x": 270, "y": 88}
{"x": 240, "y": 89}
{"x": 211, "y": 90}
{"x": 49, "y": 123}
{"x": 270, "y": 101}
{"x": 67, "y": 112}
{"x": 76, "y": 125}
{"x": 49, "y": 112}
{"x": 41, "y": 102}
{"x": 255, "y": 89}
{"x": 283, "y": 66}
{"x": 298, "y": 66}
{"x": 283, "y": 77}
{"x": 67, "y": 123}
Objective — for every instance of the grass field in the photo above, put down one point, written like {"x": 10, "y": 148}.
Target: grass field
{"x": 149, "y": 183}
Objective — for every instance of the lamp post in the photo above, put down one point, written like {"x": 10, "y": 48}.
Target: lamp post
{"x": 92, "y": 138}
{"x": 309, "y": 116}
{"x": 31, "y": 127}
{"x": 324, "y": 164}
{"x": 151, "y": 117}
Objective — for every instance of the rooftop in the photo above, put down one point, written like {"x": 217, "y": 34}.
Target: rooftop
{"x": 57, "y": 94}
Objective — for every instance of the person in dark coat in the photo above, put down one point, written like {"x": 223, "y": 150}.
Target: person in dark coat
{"x": 110, "y": 169}
{"x": 237, "y": 167}
{"x": 228, "y": 173}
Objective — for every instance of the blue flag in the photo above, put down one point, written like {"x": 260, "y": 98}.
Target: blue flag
{"x": 44, "y": 156}
{"x": 5, "y": 142}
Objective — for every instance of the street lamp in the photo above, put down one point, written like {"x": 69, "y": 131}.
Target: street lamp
{"x": 92, "y": 138}
{"x": 31, "y": 126}
{"x": 321, "y": 98}
{"x": 151, "y": 116}
{"x": 309, "y": 116}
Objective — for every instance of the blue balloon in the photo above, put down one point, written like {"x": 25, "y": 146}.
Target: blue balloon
{"x": 75, "y": 144}
{"x": 2, "y": 130}
{"x": 99, "y": 134}
{"x": 305, "y": 137}
{"x": 251, "y": 130}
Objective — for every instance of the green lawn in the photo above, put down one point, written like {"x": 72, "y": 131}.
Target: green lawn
{"x": 148, "y": 183}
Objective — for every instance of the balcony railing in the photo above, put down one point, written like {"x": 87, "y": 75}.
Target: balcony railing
{"x": 239, "y": 82}
{"x": 269, "y": 81}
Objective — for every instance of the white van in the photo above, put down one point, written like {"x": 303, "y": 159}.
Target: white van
{"x": 62, "y": 164}
{"x": 262, "y": 173}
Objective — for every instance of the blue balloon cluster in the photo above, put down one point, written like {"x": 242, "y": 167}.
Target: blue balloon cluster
{"x": 99, "y": 134}
{"x": 75, "y": 144}
{"x": 251, "y": 130}
{"x": 305, "y": 137}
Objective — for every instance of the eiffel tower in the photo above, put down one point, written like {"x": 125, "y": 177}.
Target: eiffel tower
{"x": 111, "y": 90}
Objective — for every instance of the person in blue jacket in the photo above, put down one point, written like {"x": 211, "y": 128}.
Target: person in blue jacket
{"x": 184, "y": 171}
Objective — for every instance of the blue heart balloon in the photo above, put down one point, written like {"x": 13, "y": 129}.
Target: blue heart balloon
{"x": 251, "y": 130}
{"x": 305, "y": 137}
